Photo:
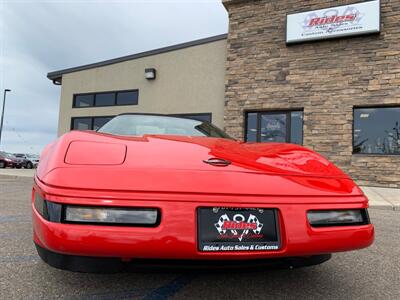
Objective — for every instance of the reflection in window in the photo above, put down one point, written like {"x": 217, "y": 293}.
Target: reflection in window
{"x": 89, "y": 123}
{"x": 82, "y": 123}
{"x": 105, "y": 99}
{"x": 377, "y": 130}
{"x": 296, "y": 127}
{"x": 84, "y": 100}
{"x": 251, "y": 131}
{"x": 273, "y": 128}
{"x": 99, "y": 122}
{"x": 127, "y": 98}
{"x": 284, "y": 126}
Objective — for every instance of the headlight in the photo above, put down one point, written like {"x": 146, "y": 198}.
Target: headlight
{"x": 112, "y": 216}
{"x": 319, "y": 218}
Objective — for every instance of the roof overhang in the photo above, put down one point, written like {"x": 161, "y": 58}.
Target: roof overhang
{"x": 56, "y": 76}
{"x": 227, "y": 3}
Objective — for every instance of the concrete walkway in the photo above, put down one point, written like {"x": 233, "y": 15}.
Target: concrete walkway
{"x": 381, "y": 198}
{"x": 18, "y": 172}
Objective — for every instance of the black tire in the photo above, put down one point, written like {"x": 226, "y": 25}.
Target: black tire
{"x": 29, "y": 165}
{"x": 2, "y": 164}
{"x": 18, "y": 167}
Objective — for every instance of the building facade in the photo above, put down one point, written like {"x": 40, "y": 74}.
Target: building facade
{"x": 346, "y": 90}
{"x": 339, "y": 97}
{"x": 189, "y": 81}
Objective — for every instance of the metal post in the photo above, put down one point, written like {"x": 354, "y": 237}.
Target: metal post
{"x": 2, "y": 112}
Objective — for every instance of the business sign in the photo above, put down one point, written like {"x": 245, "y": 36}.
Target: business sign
{"x": 340, "y": 21}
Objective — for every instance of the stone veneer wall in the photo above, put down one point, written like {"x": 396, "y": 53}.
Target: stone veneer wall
{"x": 325, "y": 78}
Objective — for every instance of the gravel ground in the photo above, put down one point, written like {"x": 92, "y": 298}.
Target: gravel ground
{"x": 372, "y": 273}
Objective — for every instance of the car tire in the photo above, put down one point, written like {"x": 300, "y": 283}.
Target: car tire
{"x": 28, "y": 165}
{"x": 18, "y": 167}
{"x": 2, "y": 164}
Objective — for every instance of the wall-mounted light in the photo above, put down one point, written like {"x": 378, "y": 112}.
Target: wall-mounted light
{"x": 150, "y": 73}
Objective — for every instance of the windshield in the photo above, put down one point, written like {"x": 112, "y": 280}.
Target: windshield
{"x": 138, "y": 125}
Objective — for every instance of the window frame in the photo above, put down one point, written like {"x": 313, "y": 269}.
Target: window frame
{"x": 396, "y": 105}
{"x": 104, "y": 92}
{"x": 87, "y": 117}
{"x": 287, "y": 112}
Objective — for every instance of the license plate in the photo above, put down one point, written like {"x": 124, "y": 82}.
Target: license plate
{"x": 237, "y": 229}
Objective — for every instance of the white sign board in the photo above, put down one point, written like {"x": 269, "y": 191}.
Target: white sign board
{"x": 340, "y": 21}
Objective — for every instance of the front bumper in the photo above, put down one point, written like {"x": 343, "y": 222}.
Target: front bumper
{"x": 89, "y": 264}
{"x": 176, "y": 235}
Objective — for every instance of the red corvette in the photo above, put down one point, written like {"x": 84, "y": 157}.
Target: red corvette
{"x": 160, "y": 189}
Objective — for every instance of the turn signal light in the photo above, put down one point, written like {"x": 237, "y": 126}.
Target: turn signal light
{"x": 50, "y": 211}
{"x": 320, "y": 218}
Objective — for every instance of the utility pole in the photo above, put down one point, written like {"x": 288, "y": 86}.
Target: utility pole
{"x": 2, "y": 112}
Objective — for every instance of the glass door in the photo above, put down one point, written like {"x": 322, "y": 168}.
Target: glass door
{"x": 273, "y": 127}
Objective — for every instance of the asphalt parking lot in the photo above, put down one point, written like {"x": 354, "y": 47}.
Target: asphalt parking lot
{"x": 372, "y": 273}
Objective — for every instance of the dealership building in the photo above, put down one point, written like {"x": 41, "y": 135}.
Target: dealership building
{"x": 321, "y": 73}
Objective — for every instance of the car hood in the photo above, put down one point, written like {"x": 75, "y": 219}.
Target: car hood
{"x": 176, "y": 164}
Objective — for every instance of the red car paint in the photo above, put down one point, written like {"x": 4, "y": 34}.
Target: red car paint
{"x": 168, "y": 172}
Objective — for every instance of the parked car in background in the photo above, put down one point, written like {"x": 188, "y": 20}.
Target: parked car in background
{"x": 29, "y": 160}
{"x": 9, "y": 160}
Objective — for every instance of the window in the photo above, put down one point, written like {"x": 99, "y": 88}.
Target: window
{"x": 84, "y": 100}
{"x": 82, "y": 123}
{"x": 99, "y": 122}
{"x": 89, "y": 123}
{"x": 280, "y": 126}
{"x": 376, "y": 130}
{"x": 296, "y": 127}
{"x": 127, "y": 98}
{"x": 106, "y": 99}
{"x": 198, "y": 117}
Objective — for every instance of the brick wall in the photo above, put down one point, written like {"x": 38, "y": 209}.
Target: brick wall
{"x": 326, "y": 78}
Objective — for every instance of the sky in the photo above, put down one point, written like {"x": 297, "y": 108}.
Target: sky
{"x": 37, "y": 37}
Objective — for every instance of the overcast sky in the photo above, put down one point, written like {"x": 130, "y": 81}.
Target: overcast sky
{"x": 37, "y": 37}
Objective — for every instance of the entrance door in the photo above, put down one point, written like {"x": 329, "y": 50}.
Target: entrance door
{"x": 279, "y": 127}
{"x": 273, "y": 127}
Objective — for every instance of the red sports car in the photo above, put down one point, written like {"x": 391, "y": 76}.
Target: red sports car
{"x": 161, "y": 189}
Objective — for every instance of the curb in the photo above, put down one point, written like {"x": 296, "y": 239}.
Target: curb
{"x": 383, "y": 207}
{"x": 17, "y": 176}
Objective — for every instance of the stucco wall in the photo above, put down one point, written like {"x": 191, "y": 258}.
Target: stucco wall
{"x": 189, "y": 80}
{"x": 325, "y": 78}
